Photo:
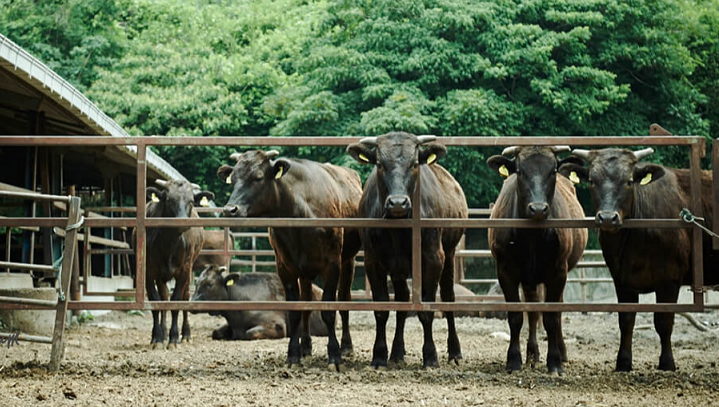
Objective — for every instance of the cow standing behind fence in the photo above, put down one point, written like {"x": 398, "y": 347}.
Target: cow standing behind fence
{"x": 398, "y": 159}
{"x": 530, "y": 257}
{"x": 266, "y": 186}
{"x": 171, "y": 251}
{"x": 644, "y": 260}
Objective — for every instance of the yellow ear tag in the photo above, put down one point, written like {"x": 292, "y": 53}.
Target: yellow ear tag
{"x": 647, "y": 179}
{"x": 363, "y": 158}
{"x": 229, "y": 179}
{"x": 279, "y": 173}
{"x": 204, "y": 201}
{"x": 154, "y": 198}
{"x": 574, "y": 178}
{"x": 432, "y": 158}
{"x": 503, "y": 171}
{"x": 230, "y": 282}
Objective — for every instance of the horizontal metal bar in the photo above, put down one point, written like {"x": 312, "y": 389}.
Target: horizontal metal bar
{"x": 27, "y": 338}
{"x": 109, "y": 294}
{"x": 590, "y": 264}
{"x": 549, "y": 223}
{"x": 16, "y": 140}
{"x": 26, "y": 301}
{"x": 480, "y": 211}
{"x": 38, "y": 222}
{"x": 278, "y": 222}
{"x": 111, "y": 251}
{"x": 26, "y": 266}
{"x": 569, "y": 280}
{"x": 34, "y": 196}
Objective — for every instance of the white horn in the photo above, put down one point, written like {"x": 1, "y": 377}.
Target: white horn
{"x": 643, "y": 153}
{"x": 372, "y": 141}
{"x": 428, "y": 138}
{"x": 235, "y": 156}
{"x": 510, "y": 151}
{"x": 583, "y": 154}
{"x": 195, "y": 186}
{"x": 161, "y": 183}
{"x": 271, "y": 154}
{"x": 561, "y": 149}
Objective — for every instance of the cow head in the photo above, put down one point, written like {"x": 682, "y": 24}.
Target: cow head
{"x": 254, "y": 181}
{"x": 613, "y": 175}
{"x": 175, "y": 199}
{"x": 213, "y": 285}
{"x": 536, "y": 176}
{"x": 397, "y": 157}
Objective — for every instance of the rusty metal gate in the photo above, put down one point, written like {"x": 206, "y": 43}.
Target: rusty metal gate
{"x": 696, "y": 147}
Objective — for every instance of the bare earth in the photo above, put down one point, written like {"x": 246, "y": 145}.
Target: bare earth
{"x": 109, "y": 362}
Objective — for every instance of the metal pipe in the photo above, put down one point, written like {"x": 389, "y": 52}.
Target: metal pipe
{"x": 27, "y": 338}
{"x": 28, "y": 301}
{"x": 26, "y": 266}
{"x": 34, "y": 196}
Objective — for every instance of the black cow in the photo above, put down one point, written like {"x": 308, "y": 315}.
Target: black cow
{"x": 171, "y": 251}
{"x": 530, "y": 257}
{"x": 264, "y": 186}
{"x": 398, "y": 159}
{"x": 644, "y": 260}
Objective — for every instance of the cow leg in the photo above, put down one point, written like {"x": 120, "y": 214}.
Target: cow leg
{"x": 334, "y": 356}
{"x": 266, "y": 331}
{"x": 153, "y": 295}
{"x": 560, "y": 336}
{"x": 664, "y": 324}
{"x": 345, "y": 294}
{"x": 378, "y": 282}
{"x": 186, "y": 336}
{"x": 446, "y": 292}
{"x": 401, "y": 294}
{"x": 305, "y": 338}
{"x": 531, "y": 295}
{"x": 510, "y": 288}
{"x": 552, "y": 323}
{"x": 432, "y": 263}
{"x": 626, "y": 327}
{"x": 292, "y": 293}
{"x": 174, "y": 330}
{"x": 164, "y": 296}
{"x": 222, "y": 333}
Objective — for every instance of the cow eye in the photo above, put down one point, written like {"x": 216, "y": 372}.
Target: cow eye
{"x": 630, "y": 182}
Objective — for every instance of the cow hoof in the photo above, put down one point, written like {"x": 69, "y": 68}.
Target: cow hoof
{"x": 554, "y": 374}
{"x": 186, "y": 340}
{"x": 156, "y": 345}
{"x": 337, "y": 367}
{"x": 455, "y": 361}
{"x": 171, "y": 346}
{"x": 295, "y": 366}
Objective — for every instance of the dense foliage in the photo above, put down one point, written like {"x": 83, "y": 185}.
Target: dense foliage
{"x": 364, "y": 67}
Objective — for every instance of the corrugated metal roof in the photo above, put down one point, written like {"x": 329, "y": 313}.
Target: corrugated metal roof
{"x": 55, "y": 87}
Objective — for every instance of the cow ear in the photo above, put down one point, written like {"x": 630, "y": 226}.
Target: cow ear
{"x": 575, "y": 172}
{"x": 230, "y": 279}
{"x": 280, "y": 167}
{"x": 648, "y": 173}
{"x": 503, "y": 165}
{"x": 225, "y": 173}
{"x": 361, "y": 153}
{"x": 153, "y": 194}
{"x": 203, "y": 198}
{"x": 432, "y": 153}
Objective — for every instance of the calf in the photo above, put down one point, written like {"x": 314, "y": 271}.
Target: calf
{"x": 530, "y": 257}
{"x": 644, "y": 260}
{"x": 212, "y": 240}
{"x": 398, "y": 159}
{"x": 266, "y": 186}
{"x": 215, "y": 284}
{"x": 171, "y": 251}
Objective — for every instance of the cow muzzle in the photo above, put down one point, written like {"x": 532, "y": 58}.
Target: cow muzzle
{"x": 231, "y": 210}
{"x": 538, "y": 211}
{"x": 608, "y": 220}
{"x": 397, "y": 206}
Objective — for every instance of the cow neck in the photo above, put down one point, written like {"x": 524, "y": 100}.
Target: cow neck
{"x": 290, "y": 203}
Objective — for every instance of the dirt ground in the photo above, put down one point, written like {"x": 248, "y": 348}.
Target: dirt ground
{"x": 108, "y": 361}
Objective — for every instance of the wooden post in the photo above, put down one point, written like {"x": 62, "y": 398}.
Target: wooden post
{"x": 8, "y": 241}
{"x": 75, "y": 281}
{"x": 48, "y": 255}
{"x": 58, "y": 346}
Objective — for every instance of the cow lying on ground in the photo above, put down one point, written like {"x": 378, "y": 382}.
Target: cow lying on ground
{"x": 397, "y": 159}
{"x": 644, "y": 260}
{"x": 171, "y": 251}
{"x": 266, "y": 186}
{"x": 216, "y": 284}
{"x": 530, "y": 257}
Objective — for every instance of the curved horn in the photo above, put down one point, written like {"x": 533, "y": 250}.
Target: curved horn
{"x": 369, "y": 140}
{"x": 510, "y": 151}
{"x": 161, "y": 182}
{"x": 583, "y": 154}
{"x": 271, "y": 154}
{"x": 195, "y": 186}
{"x": 426, "y": 138}
{"x": 235, "y": 156}
{"x": 561, "y": 149}
{"x": 643, "y": 153}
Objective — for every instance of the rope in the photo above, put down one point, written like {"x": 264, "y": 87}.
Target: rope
{"x": 75, "y": 225}
{"x": 688, "y": 217}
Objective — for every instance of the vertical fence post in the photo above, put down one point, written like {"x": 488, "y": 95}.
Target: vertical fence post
{"x": 715, "y": 182}
{"x": 8, "y": 241}
{"x": 254, "y": 258}
{"x": 75, "y": 278}
{"x": 227, "y": 237}
{"x": 140, "y": 233}
{"x": 417, "y": 241}
{"x": 87, "y": 269}
{"x": 697, "y": 150}
{"x": 58, "y": 345}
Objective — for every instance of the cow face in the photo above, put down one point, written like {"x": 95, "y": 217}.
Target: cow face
{"x": 175, "y": 199}
{"x": 213, "y": 285}
{"x": 397, "y": 157}
{"x": 613, "y": 175}
{"x": 536, "y": 176}
{"x": 254, "y": 181}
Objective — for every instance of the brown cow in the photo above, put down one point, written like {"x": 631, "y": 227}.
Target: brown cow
{"x": 266, "y": 186}
{"x": 212, "y": 240}
{"x": 171, "y": 251}
{"x": 398, "y": 158}
{"x": 530, "y": 257}
{"x": 644, "y": 260}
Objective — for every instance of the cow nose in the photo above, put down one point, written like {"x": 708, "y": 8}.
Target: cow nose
{"x": 538, "y": 211}
{"x": 231, "y": 210}
{"x": 398, "y": 205}
{"x": 608, "y": 220}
